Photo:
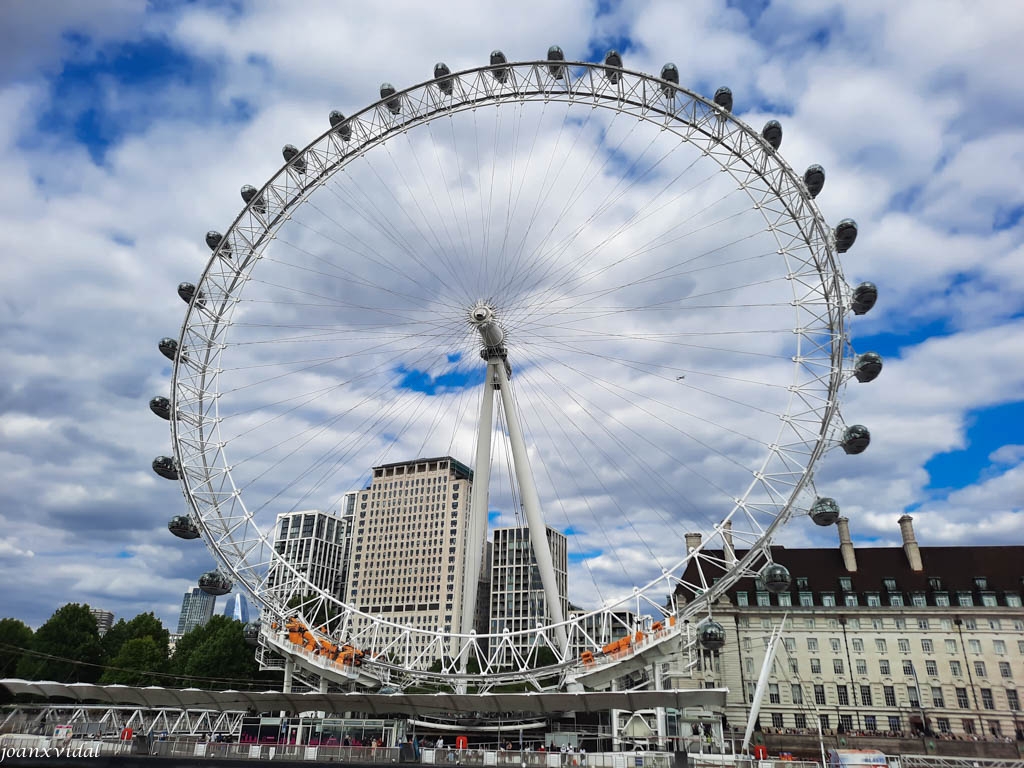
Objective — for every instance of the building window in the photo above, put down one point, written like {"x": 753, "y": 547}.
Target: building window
{"x": 742, "y": 598}
{"x": 865, "y": 695}
{"x": 979, "y": 669}
{"x": 943, "y": 723}
{"x": 835, "y": 645}
{"x": 828, "y": 599}
{"x": 862, "y": 666}
{"x": 877, "y": 624}
{"x": 922, "y": 623}
{"x": 937, "y": 698}
{"x": 970, "y": 624}
{"x": 844, "y": 695}
{"x": 918, "y": 599}
{"x": 764, "y": 599}
{"x": 858, "y": 645}
{"x": 845, "y": 583}
{"x": 773, "y": 694}
{"x": 797, "y": 693}
{"x": 904, "y": 645}
{"x": 954, "y": 668}
{"x": 926, "y": 646}
{"x": 819, "y": 694}
{"x": 806, "y": 599}
{"x": 1004, "y": 670}
{"x": 776, "y": 720}
{"x": 870, "y": 724}
{"x": 942, "y": 598}
{"x": 914, "y": 696}
{"x": 890, "y": 695}
{"x": 850, "y": 599}
{"x": 873, "y": 599}
{"x": 1013, "y": 599}
{"x": 801, "y": 582}
{"x": 751, "y": 688}
{"x": 986, "y": 699}
{"x": 894, "y": 724}
{"x": 889, "y": 584}
{"x": 785, "y": 599}
{"x": 999, "y": 646}
{"x": 880, "y": 645}
{"x": 980, "y": 582}
{"x": 794, "y": 666}
{"x": 812, "y": 644}
{"x": 951, "y": 646}
{"x": 1013, "y": 700}
{"x": 800, "y": 720}
{"x": 838, "y": 667}
{"x": 908, "y": 667}
{"x": 974, "y": 645}
{"x": 995, "y": 624}
{"x": 989, "y": 599}
{"x": 823, "y": 719}
{"x": 883, "y": 667}
{"x": 846, "y": 723}
{"x": 815, "y": 666}
{"x": 931, "y": 668}
{"x": 900, "y": 623}
{"x": 961, "y": 698}
{"x": 968, "y": 726}
{"x": 964, "y": 599}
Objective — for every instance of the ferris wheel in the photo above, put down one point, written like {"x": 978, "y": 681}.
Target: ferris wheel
{"x": 607, "y": 298}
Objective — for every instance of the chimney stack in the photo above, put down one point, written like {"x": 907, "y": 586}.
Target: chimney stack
{"x": 692, "y": 541}
{"x": 728, "y": 550}
{"x": 910, "y": 543}
{"x": 846, "y": 545}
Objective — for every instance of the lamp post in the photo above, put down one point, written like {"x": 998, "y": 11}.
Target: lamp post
{"x": 920, "y": 699}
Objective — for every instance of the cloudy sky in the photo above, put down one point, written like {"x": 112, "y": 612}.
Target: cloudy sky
{"x": 128, "y": 127}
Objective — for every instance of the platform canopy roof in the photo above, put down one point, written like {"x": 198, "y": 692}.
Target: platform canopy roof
{"x": 370, "y": 703}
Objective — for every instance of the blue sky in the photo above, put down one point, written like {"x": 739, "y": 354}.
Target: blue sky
{"x": 127, "y": 128}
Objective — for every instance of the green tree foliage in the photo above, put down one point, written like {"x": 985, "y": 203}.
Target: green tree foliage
{"x": 143, "y": 625}
{"x": 217, "y": 650}
{"x": 135, "y": 663}
{"x": 69, "y": 636}
{"x": 14, "y": 634}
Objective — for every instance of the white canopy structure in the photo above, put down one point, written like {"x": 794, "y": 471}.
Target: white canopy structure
{"x": 371, "y": 703}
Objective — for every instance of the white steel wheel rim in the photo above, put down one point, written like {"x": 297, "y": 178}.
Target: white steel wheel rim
{"x": 820, "y": 295}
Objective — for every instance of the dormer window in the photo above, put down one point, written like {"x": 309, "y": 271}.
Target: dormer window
{"x": 980, "y": 582}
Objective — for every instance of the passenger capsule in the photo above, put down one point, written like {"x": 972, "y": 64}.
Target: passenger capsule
{"x": 161, "y": 406}
{"x": 215, "y": 583}
{"x": 340, "y": 125}
{"x": 183, "y": 527}
{"x": 856, "y": 439}
{"x": 394, "y": 105}
{"x": 814, "y": 179}
{"x": 166, "y": 467}
{"x": 168, "y": 347}
{"x": 251, "y": 195}
{"x": 251, "y": 634}
{"x": 776, "y": 578}
{"x": 867, "y": 367}
{"x": 711, "y": 635}
{"x": 670, "y": 73}
{"x": 824, "y": 511}
{"x": 444, "y": 83}
{"x": 613, "y": 62}
{"x": 864, "y": 297}
{"x": 294, "y": 158}
{"x": 557, "y": 70}
{"x": 213, "y": 239}
{"x": 846, "y": 235}
{"x": 501, "y": 73}
{"x": 723, "y": 98}
{"x": 772, "y": 133}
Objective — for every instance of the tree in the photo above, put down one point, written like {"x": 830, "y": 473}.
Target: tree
{"x": 68, "y": 647}
{"x": 136, "y": 662}
{"x": 143, "y": 625}
{"x": 14, "y": 635}
{"x": 217, "y": 650}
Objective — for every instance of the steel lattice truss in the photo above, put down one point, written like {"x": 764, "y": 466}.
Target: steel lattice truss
{"x": 781, "y": 487}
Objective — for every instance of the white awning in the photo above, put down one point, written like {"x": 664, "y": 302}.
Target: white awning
{"x": 372, "y": 703}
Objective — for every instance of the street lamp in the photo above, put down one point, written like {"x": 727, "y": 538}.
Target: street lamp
{"x": 920, "y": 699}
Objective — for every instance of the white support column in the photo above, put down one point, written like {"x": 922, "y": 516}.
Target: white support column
{"x": 286, "y": 687}
{"x": 531, "y": 505}
{"x": 478, "y": 506}
{"x": 659, "y": 712}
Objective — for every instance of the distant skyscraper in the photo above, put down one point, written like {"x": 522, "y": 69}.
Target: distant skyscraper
{"x": 313, "y": 543}
{"x": 196, "y": 609}
{"x": 104, "y": 620}
{"x": 408, "y": 547}
{"x": 237, "y": 607}
{"x": 517, "y": 594}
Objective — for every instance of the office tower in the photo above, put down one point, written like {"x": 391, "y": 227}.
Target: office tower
{"x": 196, "y": 610}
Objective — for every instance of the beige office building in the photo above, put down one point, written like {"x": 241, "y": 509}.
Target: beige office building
{"x": 407, "y": 559}
{"x": 880, "y": 640}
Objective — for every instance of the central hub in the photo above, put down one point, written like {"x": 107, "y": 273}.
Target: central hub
{"x": 483, "y": 317}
